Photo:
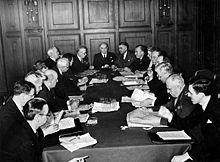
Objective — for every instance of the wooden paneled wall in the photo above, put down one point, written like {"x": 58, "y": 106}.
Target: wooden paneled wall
{"x": 70, "y": 23}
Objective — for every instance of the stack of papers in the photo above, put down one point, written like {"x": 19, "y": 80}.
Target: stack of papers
{"x": 66, "y": 123}
{"x": 143, "y": 117}
{"x": 174, "y": 135}
{"x": 130, "y": 82}
{"x": 137, "y": 96}
{"x": 126, "y": 73}
{"x": 76, "y": 142}
{"x": 103, "y": 107}
{"x": 94, "y": 80}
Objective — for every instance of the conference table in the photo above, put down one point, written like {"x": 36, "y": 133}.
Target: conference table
{"x": 115, "y": 144}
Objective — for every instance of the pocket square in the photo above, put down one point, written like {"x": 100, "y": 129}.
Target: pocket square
{"x": 209, "y": 121}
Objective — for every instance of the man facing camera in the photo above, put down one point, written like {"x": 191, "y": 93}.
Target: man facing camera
{"x": 104, "y": 59}
{"x": 141, "y": 62}
{"x": 125, "y": 57}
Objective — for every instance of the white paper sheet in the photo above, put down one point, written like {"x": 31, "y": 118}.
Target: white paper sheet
{"x": 78, "y": 142}
{"x": 174, "y": 135}
{"x": 66, "y": 123}
{"x": 102, "y": 107}
{"x": 94, "y": 80}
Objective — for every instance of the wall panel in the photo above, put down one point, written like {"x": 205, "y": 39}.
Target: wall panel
{"x": 98, "y": 14}
{"x": 135, "y": 38}
{"x": 62, "y": 14}
{"x": 134, "y": 13}
{"x": 14, "y": 60}
{"x": 66, "y": 43}
{"x": 35, "y": 50}
{"x": 165, "y": 41}
{"x": 93, "y": 41}
{"x": 11, "y": 9}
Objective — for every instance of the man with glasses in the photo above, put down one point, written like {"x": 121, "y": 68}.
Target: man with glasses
{"x": 11, "y": 113}
{"x": 80, "y": 60}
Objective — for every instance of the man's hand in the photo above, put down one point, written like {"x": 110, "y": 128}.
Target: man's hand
{"x": 165, "y": 113}
{"x": 50, "y": 129}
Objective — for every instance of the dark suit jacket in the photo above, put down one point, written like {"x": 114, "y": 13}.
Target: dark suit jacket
{"x": 209, "y": 147}
{"x": 99, "y": 61}
{"x": 66, "y": 85}
{"x": 121, "y": 63}
{"x": 160, "y": 90}
{"x": 23, "y": 145}
{"x": 183, "y": 106}
{"x": 50, "y": 63}
{"x": 55, "y": 103}
{"x": 10, "y": 116}
{"x": 140, "y": 65}
{"x": 79, "y": 66}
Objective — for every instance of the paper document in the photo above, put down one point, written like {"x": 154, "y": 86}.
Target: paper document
{"x": 142, "y": 117}
{"x": 66, "y": 123}
{"x": 94, "y": 80}
{"x": 58, "y": 117}
{"x": 77, "y": 142}
{"x": 139, "y": 95}
{"x": 174, "y": 135}
{"x": 102, "y": 107}
{"x": 83, "y": 118}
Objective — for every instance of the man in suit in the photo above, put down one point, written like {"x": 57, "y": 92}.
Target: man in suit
{"x": 11, "y": 113}
{"x": 80, "y": 60}
{"x": 53, "y": 54}
{"x": 179, "y": 104}
{"x": 67, "y": 84}
{"x": 26, "y": 143}
{"x": 142, "y": 61}
{"x": 104, "y": 59}
{"x": 36, "y": 79}
{"x": 206, "y": 114}
{"x": 55, "y": 103}
{"x": 125, "y": 57}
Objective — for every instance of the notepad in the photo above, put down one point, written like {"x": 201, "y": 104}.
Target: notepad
{"x": 174, "y": 135}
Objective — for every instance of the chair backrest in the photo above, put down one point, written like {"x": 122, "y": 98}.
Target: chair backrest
{"x": 207, "y": 73}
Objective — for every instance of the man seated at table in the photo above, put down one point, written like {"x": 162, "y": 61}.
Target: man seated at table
{"x": 53, "y": 55}
{"x": 55, "y": 103}
{"x": 36, "y": 79}
{"x": 11, "y": 113}
{"x": 157, "y": 85}
{"x": 141, "y": 62}
{"x": 80, "y": 60}
{"x": 125, "y": 57}
{"x": 104, "y": 59}
{"x": 180, "y": 103}
{"x": 207, "y": 114}
{"x": 25, "y": 142}
{"x": 67, "y": 84}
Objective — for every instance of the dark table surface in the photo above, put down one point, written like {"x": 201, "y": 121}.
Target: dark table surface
{"x": 114, "y": 144}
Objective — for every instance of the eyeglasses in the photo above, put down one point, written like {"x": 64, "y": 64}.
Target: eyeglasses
{"x": 47, "y": 115}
